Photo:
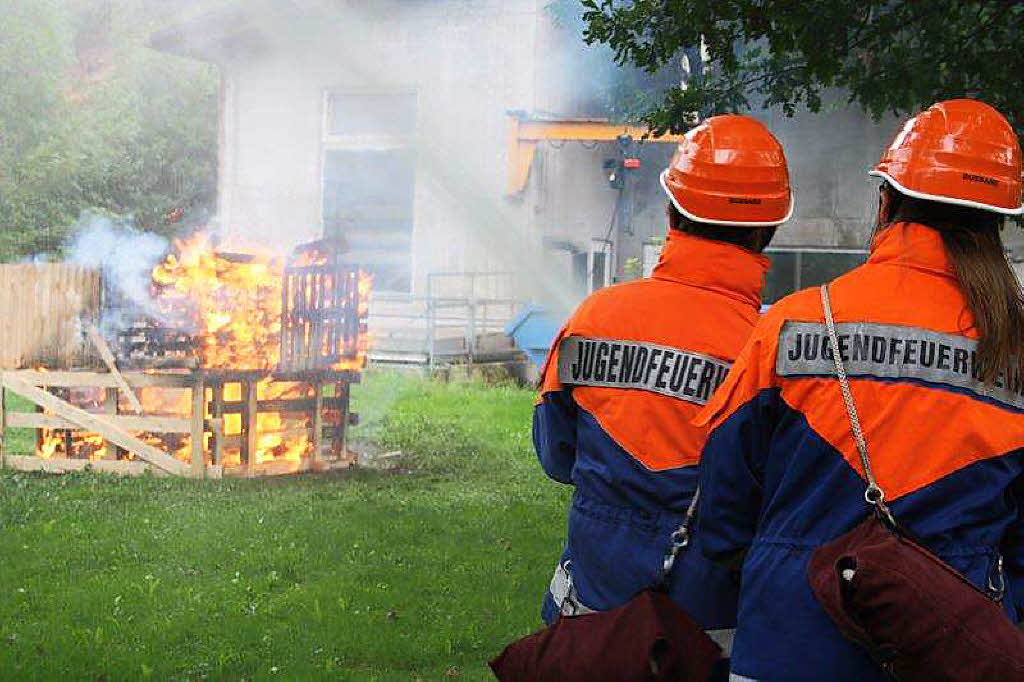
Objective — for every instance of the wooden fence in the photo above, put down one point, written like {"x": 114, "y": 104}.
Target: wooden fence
{"x": 44, "y": 311}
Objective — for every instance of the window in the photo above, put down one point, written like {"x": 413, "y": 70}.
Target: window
{"x": 800, "y": 268}
{"x": 588, "y": 269}
{"x": 600, "y": 264}
{"x": 369, "y": 167}
{"x": 651, "y": 254}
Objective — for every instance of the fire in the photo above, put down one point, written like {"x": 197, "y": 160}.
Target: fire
{"x": 231, "y": 299}
{"x": 64, "y": 444}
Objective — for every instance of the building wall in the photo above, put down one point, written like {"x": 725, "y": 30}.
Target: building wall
{"x": 829, "y": 155}
{"x": 465, "y": 72}
{"x": 468, "y": 63}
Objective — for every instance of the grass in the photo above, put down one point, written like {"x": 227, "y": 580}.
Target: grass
{"x": 357, "y": 576}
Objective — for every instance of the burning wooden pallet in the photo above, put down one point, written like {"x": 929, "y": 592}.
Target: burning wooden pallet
{"x": 211, "y": 405}
{"x": 215, "y": 402}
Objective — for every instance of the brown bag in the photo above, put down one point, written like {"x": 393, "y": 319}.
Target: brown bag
{"x": 647, "y": 638}
{"x": 915, "y": 614}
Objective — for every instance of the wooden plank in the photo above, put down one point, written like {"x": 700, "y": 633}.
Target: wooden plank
{"x": 126, "y": 422}
{"x": 283, "y": 405}
{"x": 41, "y": 305}
{"x": 60, "y": 465}
{"x": 323, "y": 375}
{"x": 318, "y": 321}
{"x": 216, "y": 426}
{"x": 96, "y": 424}
{"x": 217, "y": 423}
{"x": 285, "y": 322}
{"x": 110, "y": 408}
{"x": 318, "y": 421}
{"x": 68, "y": 436}
{"x": 8, "y": 349}
{"x": 299, "y": 358}
{"x": 341, "y": 443}
{"x": 197, "y": 430}
{"x": 3, "y": 427}
{"x": 249, "y": 417}
{"x": 101, "y": 380}
{"x": 108, "y": 360}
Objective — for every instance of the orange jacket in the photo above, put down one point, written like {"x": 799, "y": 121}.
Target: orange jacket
{"x": 780, "y": 473}
{"x": 624, "y": 379}
{"x": 702, "y": 300}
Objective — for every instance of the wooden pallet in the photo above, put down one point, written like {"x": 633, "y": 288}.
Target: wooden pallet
{"x": 329, "y": 416}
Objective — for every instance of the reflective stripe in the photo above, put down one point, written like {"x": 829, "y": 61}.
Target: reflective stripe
{"x": 733, "y": 677}
{"x": 673, "y": 372}
{"x": 724, "y": 639}
{"x": 892, "y": 352}
{"x": 564, "y": 594}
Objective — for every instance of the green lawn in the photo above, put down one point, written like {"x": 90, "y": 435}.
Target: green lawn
{"x": 354, "y": 576}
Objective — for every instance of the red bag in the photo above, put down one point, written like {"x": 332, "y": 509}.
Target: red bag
{"x": 914, "y": 613}
{"x": 647, "y": 638}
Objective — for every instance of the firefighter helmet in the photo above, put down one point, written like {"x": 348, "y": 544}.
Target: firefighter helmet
{"x": 730, "y": 170}
{"x": 961, "y": 152}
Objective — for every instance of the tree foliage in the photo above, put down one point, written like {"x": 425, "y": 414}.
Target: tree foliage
{"x": 92, "y": 119}
{"x": 887, "y": 55}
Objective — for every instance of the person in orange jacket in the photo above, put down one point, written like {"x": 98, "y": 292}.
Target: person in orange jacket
{"x": 636, "y": 362}
{"x": 931, "y": 331}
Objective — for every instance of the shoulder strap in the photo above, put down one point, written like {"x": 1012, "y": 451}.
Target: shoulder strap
{"x": 680, "y": 539}
{"x": 874, "y": 495}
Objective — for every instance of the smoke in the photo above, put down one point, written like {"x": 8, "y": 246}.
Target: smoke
{"x": 126, "y": 258}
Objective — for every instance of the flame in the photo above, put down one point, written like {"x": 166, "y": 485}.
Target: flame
{"x": 232, "y": 304}
{"x": 230, "y": 299}
{"x": 55, "y": 443}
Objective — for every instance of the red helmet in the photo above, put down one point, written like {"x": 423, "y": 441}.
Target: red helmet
{"x": 957, "y": 152}
{"x": 730, "y": 170}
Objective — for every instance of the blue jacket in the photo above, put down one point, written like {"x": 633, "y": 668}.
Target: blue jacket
{"x": 780, "y": 475}
{"x": 622, "y": 383}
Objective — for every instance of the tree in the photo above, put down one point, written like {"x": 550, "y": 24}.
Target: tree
{"x": 886, "y": 55}
{"x": 92, "y": 119}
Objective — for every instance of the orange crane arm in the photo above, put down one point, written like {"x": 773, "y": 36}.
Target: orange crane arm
{"x": 524, "y": 134}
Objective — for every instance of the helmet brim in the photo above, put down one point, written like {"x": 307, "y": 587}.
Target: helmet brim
{"x": 944, "y": 200}
{"x": 728, "y": 223}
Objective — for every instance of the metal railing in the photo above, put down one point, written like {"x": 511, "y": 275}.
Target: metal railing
{"x": 455, "y": 305}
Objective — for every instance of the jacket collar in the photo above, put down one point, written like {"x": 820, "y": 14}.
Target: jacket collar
{"x": 911, "y": 245}
{"x": 716, "y": 266}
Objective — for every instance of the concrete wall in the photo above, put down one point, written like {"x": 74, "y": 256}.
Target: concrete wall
{"x": 465, "y": 71}
{"x": 829, "y": 155}
{"x": 468, "y": 62}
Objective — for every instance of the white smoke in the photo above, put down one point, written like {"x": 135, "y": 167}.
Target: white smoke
{"x": 126, "y": 258}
